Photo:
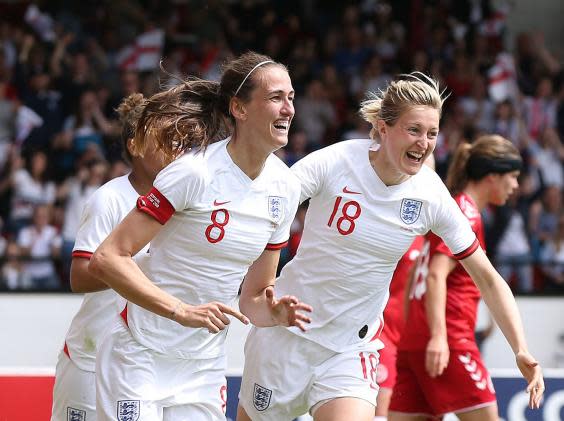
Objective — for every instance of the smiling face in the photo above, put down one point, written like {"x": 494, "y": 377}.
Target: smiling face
{"x": 407, "y": 143}
{"x": 268, "y": 114}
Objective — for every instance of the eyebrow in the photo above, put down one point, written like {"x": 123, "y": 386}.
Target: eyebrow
{"x": 280, "y": 91}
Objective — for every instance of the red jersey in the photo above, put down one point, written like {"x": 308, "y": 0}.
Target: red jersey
{"x": 462, "y": 294}
{"x": 393, "y": 314}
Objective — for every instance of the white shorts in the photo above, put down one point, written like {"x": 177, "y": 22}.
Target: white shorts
{"x": 136, "y": 383}
{"x": 285, "y": 375}
{"x": 74, "y": 394}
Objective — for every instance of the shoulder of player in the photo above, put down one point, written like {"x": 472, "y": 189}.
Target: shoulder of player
{"x": 111, "y": 192}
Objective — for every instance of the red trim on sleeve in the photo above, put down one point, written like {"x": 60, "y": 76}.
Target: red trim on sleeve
{"x": 82, "y": 253}
{"x": 464, "y": 254}
{"x": 156, "y": 205}
{"x": 276, "y": 246}
{"x": 123, "y": 315}
{"x": 66, "y": 350}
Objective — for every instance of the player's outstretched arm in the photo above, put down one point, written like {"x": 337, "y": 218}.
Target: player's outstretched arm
{"x": 502, "y": 305}
{"x": 113, "y": 262}
{"x": 257, "y": 296}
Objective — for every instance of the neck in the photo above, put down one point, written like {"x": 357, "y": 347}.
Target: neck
{"x": 478, "y": 195}
{"x": 140, "y": 181}
{"x": 385, "y": 170}
{"x": 247, "y": 155}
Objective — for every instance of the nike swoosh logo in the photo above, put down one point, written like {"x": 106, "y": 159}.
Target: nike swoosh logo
{"x": 216, "y": 203}
{"x": 346, "y": 190}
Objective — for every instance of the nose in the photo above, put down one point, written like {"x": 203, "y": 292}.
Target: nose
{"x": 288, "y": 108}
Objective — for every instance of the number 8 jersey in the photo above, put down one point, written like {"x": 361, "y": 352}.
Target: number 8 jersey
{"x": 217, "y": 222}
{"x": 356, "y": 230}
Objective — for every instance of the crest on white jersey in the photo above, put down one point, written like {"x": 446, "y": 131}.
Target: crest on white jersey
{"x": 128, "y": 410}
{"x": 275, "y": 208}
{"x": 410, "y": 210}
{"x": 74, "y": 414}
{"x": 261, "y": 397}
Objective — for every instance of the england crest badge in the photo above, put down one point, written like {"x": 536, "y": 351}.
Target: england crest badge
{"x": 128, "y": 410}
{"x": 275, "y": 208}
{"x": 410, "y": 210}
{"x": 261, "y": 397}
{"x": 74, "y": 414}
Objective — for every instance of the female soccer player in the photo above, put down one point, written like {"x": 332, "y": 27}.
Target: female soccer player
{"x": 368, "y": 202}
{"x": 74, "y": 395}
{"x": 220, "y": 212}
{"x": 437, "y": 348}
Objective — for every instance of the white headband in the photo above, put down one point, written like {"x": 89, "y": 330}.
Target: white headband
{"x": 248, "y": 74}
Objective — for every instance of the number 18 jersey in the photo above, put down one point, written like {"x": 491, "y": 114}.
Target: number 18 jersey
{"x": 356, "y": 230}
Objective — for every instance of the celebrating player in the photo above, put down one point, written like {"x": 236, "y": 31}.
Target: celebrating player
{"x": 74, "y": 395}
{"x": 438, "y": 349}
{"x": 368, "y": 202}
{"x": 219, "y": 212}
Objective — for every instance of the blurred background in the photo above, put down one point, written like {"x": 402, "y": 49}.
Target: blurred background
{"x": 66, "y": 65}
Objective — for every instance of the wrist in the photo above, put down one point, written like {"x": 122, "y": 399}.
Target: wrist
{"x": 175, "y": 314}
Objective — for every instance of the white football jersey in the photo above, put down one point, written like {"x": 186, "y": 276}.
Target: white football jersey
{"x": 103, "y": 212}
{"x": 356, "y": 230}
{"x": 217, "y": 222}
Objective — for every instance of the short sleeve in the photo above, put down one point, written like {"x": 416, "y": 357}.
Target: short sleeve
{"x": 99, "y": 218}
{"x": 176, "y": 188}
{"x": 453, "y": 227}
{"x": 311, "y": 171}
{"x": 279, "y": 238}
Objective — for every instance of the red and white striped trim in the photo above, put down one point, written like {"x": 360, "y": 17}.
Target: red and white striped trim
{"x": 82, "y": 253}
{"x": 278, "y": 246}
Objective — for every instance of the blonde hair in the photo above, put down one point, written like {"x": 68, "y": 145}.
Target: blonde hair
{"x": 473, "y": 161}
{"x": 415, "y": 89}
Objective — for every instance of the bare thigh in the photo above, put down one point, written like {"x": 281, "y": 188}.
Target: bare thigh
{"x": 383, "y": 401}
{"x": 345, "y": 409}
{"x": 487, "y": 413}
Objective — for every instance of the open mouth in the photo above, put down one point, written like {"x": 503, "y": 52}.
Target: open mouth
{"x": 282, "y": 126}
{"x": 415, "y": 156}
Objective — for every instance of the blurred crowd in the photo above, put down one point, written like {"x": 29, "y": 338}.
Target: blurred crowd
{"x": 65, "y": 66}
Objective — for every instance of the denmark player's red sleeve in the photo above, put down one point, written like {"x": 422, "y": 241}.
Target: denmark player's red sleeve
{"x": 155, "y": 204}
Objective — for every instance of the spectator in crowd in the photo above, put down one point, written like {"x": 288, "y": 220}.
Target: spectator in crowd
{"x": 543, "y": 217}
{"x": 13, "y": 276}
{"x": 512, "y": 250}
{"x": 31, "y": 187}
{"x": 552, "y": 259}
{"x": 40, "y": 243}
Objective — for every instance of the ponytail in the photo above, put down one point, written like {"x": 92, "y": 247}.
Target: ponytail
{"x": 457, "y": 176}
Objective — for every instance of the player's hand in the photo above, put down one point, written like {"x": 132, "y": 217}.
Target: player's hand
{"x": 437, "y": 355}
{"x": 288, "y": 310}
{"x": 211, "y": 316}
{"x": 531, "y": 371}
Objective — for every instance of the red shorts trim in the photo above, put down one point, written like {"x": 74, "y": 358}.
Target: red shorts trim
{"x": 156, "y": 205}
{"x": 82, "y": 253}
{"x": 465, "y": 384}
{"x": 464, "y": 254}
{"x": 278, "y": 246}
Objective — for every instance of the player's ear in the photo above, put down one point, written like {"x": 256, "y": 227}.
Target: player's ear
{"x": 237, "y": 109}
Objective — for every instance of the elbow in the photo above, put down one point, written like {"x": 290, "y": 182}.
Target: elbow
{"x": 98, "y": 264}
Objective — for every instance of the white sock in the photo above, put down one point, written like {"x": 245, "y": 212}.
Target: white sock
{"x": 380, "y": 418}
